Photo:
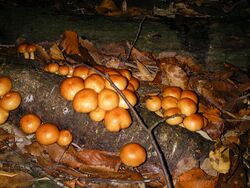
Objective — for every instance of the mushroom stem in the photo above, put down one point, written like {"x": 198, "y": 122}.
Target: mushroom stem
{"x": 26, "y": 55}
{"x": 32, "y": 55}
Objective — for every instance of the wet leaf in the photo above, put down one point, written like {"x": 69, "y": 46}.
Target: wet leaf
{"x": 195, "y": 178}
{"x": 97, "y": 158}
{"x": 69, "y": 43}
{"x": 220, "y": 159}
{"x": 56, "y": 53}
{"x": 15, "y": 179}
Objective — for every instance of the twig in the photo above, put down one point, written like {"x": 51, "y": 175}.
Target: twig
{"x": 136, "y": 38}
{"x": 164, "y": 165}
{"x": 7, "y": 45}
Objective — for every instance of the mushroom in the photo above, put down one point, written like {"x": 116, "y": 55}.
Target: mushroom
{"x": 47, "y": 134}
{"x": 194, "y": 122}
{"x": 97, "y": 115}
{"x": 133, "y": 154}
{"x": 187, "y": 106}
{"x": 4, "y": 114}
{"x": 5, "y": 85}
{"x": 189, "y": 94}
{"x": 81, "y": 72}
{"x": 65, "y": 138}
{"x": 31, "y": 49}
{"x": 70, "y": 86}
{"x": 135, "y": 83}
{"x": 29, "y": 123}
{"x": 22, "y": 49}
{"x": 153, "y": 103}
{"x": 168, "y": 102}
{"x": 176, "y": 120}
{"x": 119, "y": 81}
{"x": 172, "y": 91}
{"x": 95, "y": 82}
{"x": 117, "y": 119}
{"x": 108, "y": 99}
{"x": 85, "y": 101}
{"x": 130, "y": 96}
{"x": 11, "y": 100}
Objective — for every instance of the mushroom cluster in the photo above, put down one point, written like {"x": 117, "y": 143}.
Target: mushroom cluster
{"x": 46, "y": 133}
{"x": 178, "y": 106}
{"x": 91, "y": 93}
{"x": 9, "y": 99}
{"x": 59, "y": 68}
{"x": 28, "y": 50}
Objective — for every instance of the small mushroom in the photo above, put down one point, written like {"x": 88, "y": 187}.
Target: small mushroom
{"x": 22, "y": 49}
{"x": 31, "y": 49}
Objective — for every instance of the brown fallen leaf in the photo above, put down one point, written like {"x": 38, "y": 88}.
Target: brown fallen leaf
{"x": 215, "y": 125}
{"x": 137, "y": 55}
{"x": 6, "y": 139}
{"x": 56, "y": 53}
{"x": 189, "y": 61}
{"x": 42, "y": 53}
{"x": 69, "y": 44}
{"x": 15, "y": 179}
{"x": 144, "y": 73}
{"x": 173, "y": 74}
{"x": 196, "y": 178}
{"x": 106, "y": 160}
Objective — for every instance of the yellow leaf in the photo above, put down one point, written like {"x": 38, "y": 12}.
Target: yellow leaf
{"x": 220, "y": 159}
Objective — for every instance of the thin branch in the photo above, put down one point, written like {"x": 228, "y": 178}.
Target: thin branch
{"x": 164, "y": 165}
{"x": 136, "y": 38}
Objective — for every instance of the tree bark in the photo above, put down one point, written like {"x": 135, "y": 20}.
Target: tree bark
{"x": 41, "y": 95}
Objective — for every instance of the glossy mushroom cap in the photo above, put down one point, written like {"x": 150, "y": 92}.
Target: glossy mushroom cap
{"x": 31, "y": 48}
{"x": 172, "y": 91}
{"x": 22, "y": 48}
{"x": 5, "y": 85}
{"x": 85, "y": 101}
{"x": 133, "y": 154}
{"x": 117, "y": 119}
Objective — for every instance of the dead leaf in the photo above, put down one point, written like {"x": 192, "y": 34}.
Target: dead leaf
{"x": 97, "y": 158}
{"x": 63, "y": 155}
{"x": 173, "y": 74}
{"x": 113, "y": 62}
{"x": 88, "y": 45}
{"x": 220, "y": 159}
{"x": 113, "y": 49}
{"x": 69, "y": 44}
{"x": 6, "y": 139}
{"x": 15, "y": 179}
{"x": 211, "y": 113}
{"x": 137, "y": 55}
{"x": 189, "y": 61}
{"x": 56, "y": 53}
{"x": 42, "y": 53}
{"x": 196, "y": 178}
{"x": 144, "y": 73}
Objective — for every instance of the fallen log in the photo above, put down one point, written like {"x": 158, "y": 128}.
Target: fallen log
{"x": 40, "y": 95}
